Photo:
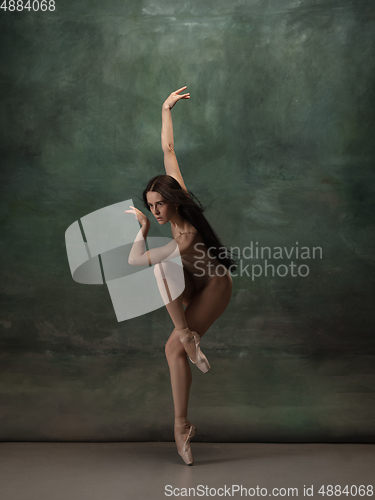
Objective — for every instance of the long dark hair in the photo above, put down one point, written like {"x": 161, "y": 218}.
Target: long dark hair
{"x": 192, "y": 211}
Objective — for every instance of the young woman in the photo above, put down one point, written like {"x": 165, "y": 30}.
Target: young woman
{"x": 208, "y": 283}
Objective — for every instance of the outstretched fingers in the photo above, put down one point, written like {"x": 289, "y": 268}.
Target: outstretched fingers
{"x": 183, "y": 96}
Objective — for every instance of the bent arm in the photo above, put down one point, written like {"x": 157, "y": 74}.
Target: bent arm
{"x": 138, "y": 255}
{"x": 167, "y": 144}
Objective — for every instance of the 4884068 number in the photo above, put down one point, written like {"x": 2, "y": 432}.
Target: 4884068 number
{"x": 348, "y": 490}
{"x": 35, "y": 5}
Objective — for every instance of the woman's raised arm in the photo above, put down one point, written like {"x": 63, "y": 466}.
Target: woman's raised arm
{"x": 167, "y": 142}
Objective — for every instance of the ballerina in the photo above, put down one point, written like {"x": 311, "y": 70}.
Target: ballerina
{"x": 208, "y": 283}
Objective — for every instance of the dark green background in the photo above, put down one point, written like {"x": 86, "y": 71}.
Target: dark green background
{"x": 277, "y": 141}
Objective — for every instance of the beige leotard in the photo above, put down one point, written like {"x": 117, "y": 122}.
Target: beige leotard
{"x": 201, "y": 269}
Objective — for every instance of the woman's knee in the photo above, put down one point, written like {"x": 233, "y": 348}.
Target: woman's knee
{"x": 174, "y": 348}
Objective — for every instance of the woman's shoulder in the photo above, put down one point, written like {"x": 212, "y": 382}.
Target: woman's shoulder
{"x": 189, "y": 233}
{"x": 186, "y": 240}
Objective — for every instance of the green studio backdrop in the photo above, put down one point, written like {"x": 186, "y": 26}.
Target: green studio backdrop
{"x": 276, "y": 141}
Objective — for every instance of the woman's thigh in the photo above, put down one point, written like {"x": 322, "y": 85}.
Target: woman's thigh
{"x": 189, "y": 291}
{"x": 208, "y": 304}
{"x": 173, "y": 343}
{"x": 171, "y": 273}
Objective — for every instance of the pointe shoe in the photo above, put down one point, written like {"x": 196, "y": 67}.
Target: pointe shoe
{"x": 187, "y": 335}
{"x": 184, "y": 450}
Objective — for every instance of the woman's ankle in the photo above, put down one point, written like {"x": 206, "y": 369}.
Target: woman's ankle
{"x": 180, "y": 420}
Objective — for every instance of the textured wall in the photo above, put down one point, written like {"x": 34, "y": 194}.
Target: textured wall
{"x": 277, "y": 143}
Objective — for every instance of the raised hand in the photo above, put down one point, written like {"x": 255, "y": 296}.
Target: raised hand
{"x": 138, "y": 215}
{"x": 175, "y": 96}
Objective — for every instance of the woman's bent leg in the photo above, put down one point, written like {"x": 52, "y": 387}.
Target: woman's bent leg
{"x": 208, "y": 304}
{"x": 165, "y": 274}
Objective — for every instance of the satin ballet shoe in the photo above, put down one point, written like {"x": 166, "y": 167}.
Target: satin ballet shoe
{"x": 184, "y": 449}
{"x": 187, "y": 335}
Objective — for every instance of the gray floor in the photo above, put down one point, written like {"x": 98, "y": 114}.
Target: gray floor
{"x": 114, "y": 471}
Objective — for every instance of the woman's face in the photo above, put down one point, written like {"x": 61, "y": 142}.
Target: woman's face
{"x": 161, "y": 209}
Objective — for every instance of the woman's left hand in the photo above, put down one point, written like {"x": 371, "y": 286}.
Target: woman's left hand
{"x": 138, "y": 215}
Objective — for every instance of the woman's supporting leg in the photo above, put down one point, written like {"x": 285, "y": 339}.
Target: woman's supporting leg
{"x": 178, "y": 363}
{"x": 181, "y": 379}
{"x": 180, "y": 374}
{"x": 204, "y": 307}
{"x": 215, "y": 299}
